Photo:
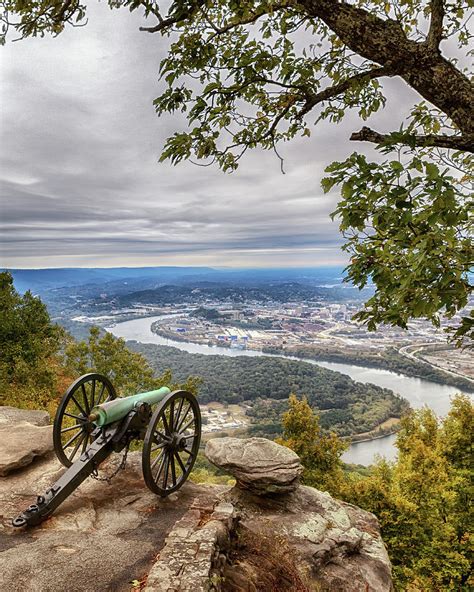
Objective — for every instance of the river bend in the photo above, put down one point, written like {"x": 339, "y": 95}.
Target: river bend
{"x": 417, "y": 391}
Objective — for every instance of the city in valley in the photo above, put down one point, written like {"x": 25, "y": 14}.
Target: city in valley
{"x": 294, "y": 327}
{"x": 220, "y": 322}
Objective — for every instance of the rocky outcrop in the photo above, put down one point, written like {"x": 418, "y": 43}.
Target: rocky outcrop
{"x": 305, "y": 536}
{"x": 24, "y": 436}
{"x": 318, "y": 540}
{"x": 102, "y": 538}
{"x": 12, "y": 415}
{"x": 259, "y": 465}
{"x": 120, "y": 536}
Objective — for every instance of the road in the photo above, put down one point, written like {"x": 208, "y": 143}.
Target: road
{"x": 404, "y": 351}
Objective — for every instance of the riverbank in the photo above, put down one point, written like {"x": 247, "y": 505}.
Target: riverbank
{"x": 390, "y": 359}
{"x": 417, "y": 391}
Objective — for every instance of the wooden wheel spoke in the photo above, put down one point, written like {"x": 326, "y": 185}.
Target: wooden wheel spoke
{"x": 78, "y": 443}
{"x": 158, "y": 447}
{"x": 162, "y": 436}
{"x": 180, "y": 408}
{"x": 78, "y": 417}
{"x": 153, "y": 465}
{"x": 93, "y": 395}
{"x": 160, "y": 468}
{"x": 167, "y": 465}
{"x": 180, "y": 462}
{"x": 178, "y": 428}
{"x": 173, "y": 470}
{"x": 74, "y": 427}
{"x": 187, "y": 425}
{"x": 171, "y": 418}
{"x": 86, "y": 400}
{"x": 79, "y": 406}
{"x": 71, "y": 440}
{"x": 190, "y": 452}
{"x": 99, "y": 400}
{"x": 166, "y": 426}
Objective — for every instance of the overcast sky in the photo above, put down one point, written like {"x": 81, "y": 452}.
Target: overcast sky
{"x": 81, "y": 182}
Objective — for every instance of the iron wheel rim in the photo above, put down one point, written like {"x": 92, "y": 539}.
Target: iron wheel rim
{"x": 171, "y": 443}
{"x": 83, "y": 394}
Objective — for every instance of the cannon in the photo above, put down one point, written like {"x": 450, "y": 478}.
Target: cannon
{"x": 91, "y": 423}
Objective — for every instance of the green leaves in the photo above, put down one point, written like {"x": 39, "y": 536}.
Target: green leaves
{"x": 108, "y": 355}
{"x": 409, "y": 235}
{"x": 422, "y": 499}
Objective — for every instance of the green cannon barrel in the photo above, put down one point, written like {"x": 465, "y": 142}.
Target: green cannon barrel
{"x": 117, "y": 409}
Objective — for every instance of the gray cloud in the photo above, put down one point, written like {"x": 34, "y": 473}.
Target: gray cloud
{"x": 81, "y": 184}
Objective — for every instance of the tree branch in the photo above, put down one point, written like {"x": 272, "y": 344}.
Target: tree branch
{"x": 166, "y": 23}
{"x": 435, "y": 33}
{"x": 337, "y": 89}
{"x": 60, "y": 14}
{"x": 455, "y": 142}
{"x": 384, "y": 42}
{"x": 248, "y": 21}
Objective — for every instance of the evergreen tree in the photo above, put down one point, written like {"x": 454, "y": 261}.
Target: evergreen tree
{"x": 30, "y": 344}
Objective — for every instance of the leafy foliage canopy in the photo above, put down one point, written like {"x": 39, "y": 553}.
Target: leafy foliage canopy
{"x": 255, "y": 73}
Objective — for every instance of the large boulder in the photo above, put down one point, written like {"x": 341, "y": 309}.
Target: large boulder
{"x": 21, "y": 443}
{"x": 259, "y": 465}
{"x": 12, "y": 415}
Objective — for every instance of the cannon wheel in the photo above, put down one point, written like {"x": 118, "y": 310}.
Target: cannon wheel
{"x": 171, "y": 443}
{"x": 72, "y": 428}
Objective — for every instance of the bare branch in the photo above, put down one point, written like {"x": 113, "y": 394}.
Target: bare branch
{"x": 162, "y": 24}
{"x": 424, "y": 141}
{"x": 384, "y": 42}
{"x": 435, "y": 33}
{"x": 337, "y": 89}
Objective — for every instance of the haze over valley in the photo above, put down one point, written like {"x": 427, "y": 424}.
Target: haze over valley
{"x": 253, "y": 337}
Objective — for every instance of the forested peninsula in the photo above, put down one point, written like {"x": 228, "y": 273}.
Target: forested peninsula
{"x": 389, "y": 359}
{"x": 346, "y": 406}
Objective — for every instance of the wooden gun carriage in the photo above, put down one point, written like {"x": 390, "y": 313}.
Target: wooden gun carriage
{"x": 92, "y": 422}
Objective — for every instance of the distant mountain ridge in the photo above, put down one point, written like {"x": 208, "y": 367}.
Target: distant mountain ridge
{"x": 235, "y": 294}
{"x": 50, "y": 278}
{"x": 40, "y": 280}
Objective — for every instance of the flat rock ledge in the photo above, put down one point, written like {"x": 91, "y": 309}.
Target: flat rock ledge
{"x": 21, "y": 443}
{"x": 202, "y": 538}
{"x": 258, "y": 465}
{"x": 12, "y": 415}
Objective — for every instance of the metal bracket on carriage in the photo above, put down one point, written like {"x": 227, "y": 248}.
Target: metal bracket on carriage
{"x": 169, "y": 423}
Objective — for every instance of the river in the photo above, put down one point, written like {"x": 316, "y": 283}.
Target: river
{"x": 417, "y": 391}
